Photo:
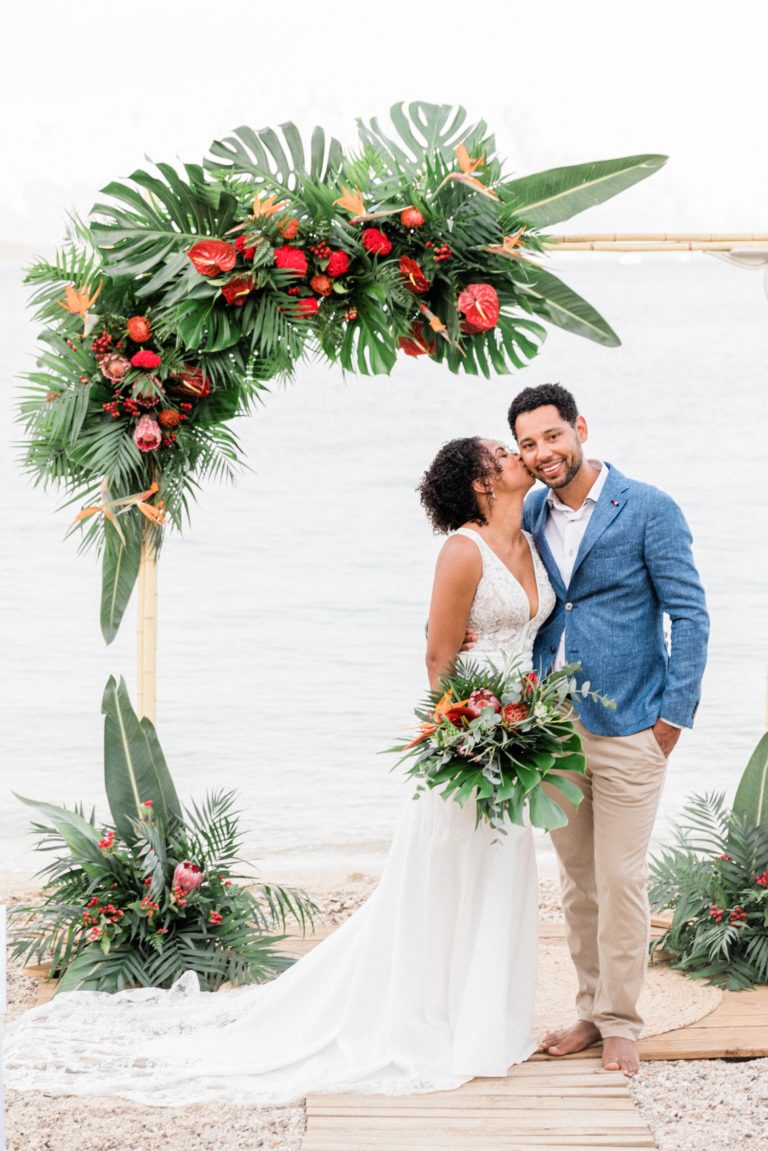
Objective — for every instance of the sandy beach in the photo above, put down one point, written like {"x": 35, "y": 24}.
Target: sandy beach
{"x": 691, "y": 1106}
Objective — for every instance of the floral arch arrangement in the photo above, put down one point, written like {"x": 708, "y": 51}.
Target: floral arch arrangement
{"x": 190, "y": 287}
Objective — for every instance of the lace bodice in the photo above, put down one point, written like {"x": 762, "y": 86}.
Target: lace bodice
{"x": 501, "y": 612}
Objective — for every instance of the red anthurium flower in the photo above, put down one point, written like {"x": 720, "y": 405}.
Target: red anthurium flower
{"x": 191, "y": 382}
{"x": 338, "y": 264}
{"x": 138, "y": 329}
{"x": 147, "y": 434}
{"x": 237, "y": 290}
{"x": 211, "y": 257}
{"x": 459, "y": 716}
{"x": 480, "y": 306}
{"x": 413, "y": 277}
{"x": 417, "y": 344}
{"x": 291, "y": 259}
{"x": 146, "y": 359}
{"x": 376, "y": 242}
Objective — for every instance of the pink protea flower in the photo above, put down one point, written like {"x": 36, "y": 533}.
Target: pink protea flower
{"x": 481, "y": 699}
{"x": 114, "y": 366}
{"x": 187, "y": 876}
{"x": 147, "y": 435}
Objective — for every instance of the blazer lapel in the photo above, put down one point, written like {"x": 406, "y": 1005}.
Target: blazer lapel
{"x": 540, "y": 539}
{"x": 608, "y": 506}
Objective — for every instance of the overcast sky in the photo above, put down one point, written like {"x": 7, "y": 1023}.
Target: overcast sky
{"x": 87, "y": 91}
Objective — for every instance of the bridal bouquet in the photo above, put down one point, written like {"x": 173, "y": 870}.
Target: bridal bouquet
{"x": 496, "y": 735}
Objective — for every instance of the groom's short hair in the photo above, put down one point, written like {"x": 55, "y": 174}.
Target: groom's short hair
{"x": 539, "y": 397}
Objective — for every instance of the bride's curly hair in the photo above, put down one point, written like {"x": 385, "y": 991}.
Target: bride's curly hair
{"x": 446, "y": 488}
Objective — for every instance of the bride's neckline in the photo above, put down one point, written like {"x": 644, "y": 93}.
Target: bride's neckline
{"x": 531, "y": 614}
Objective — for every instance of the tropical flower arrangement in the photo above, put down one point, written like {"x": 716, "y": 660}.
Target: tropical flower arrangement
{"x": 714, "y": 879}
{"x": 156, "y": 893}
{"x": 496, "y": 735}
{"x": 190, "y": 287}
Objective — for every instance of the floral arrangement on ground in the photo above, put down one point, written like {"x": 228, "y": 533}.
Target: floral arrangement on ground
{"x": 190, "y": 287}
{"x": 502, "y": 737}
{"x": 714, "y": 879}
{"x": 157, "y": 893}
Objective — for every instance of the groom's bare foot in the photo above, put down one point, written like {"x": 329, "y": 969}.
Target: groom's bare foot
{"x": 620, "y": 1055}
{"x": 577, "y": 1038}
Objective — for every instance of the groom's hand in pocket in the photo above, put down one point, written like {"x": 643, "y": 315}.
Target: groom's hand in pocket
{"x": 666, "y": 736}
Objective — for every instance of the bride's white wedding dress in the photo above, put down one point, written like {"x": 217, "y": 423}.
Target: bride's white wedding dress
{"x": 429, "y": 984}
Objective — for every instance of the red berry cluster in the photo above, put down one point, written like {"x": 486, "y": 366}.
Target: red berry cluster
{"x": 108, "y": 912}
{"x": 738, "y": 916}
{"x": 725, "y": 857}
{"x": 162, "y": 931}
{"x": 762, "y": 880}
{"x": 100, "y": 345}
{"x": 107, "y": 841}
{"x": 216, "y": 918}
{"x": 168, "y": 439}
{"x": 51, "y": 396}
{"x": 716, "y": 913}
{"x": 351, "y": 314}
{"x": 293, "y": 291}
{"x": 321, "y": 250}
{"x": 180, "y": 896}
{"x": 440, "y": 252}
{"x": 149, "y": 906}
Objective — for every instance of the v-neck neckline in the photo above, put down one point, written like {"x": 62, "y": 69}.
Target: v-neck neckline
{"x": 508, "y": 570}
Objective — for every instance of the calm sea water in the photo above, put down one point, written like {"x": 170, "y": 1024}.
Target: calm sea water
{"x": 292, "y": 610}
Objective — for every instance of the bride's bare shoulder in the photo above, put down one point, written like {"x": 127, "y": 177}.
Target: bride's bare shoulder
{"x": 460, "y": 555}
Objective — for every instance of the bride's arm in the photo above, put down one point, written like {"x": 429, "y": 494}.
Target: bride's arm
{"x": 457, "y": 574}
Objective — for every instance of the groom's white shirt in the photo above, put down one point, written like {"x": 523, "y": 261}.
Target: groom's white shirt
{"x": 564, "y": 531}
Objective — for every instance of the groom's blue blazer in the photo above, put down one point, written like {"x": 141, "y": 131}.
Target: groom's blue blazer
{"x": 634, "y": 564}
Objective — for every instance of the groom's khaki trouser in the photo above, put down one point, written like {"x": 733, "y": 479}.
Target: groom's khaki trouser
{"x": 604, "y": 870}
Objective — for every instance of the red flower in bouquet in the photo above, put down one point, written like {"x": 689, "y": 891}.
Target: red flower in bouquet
{"x": 147, "y": 435}
{"x": 481, "y": 699}
{"x": 321, "y": 284}
{"x": 417, "y": 344}
{"x": 146, "y": 359}
{"x": 191, "y": 382}
{"x": 338, "y": 264}
{"x": 138, "y": 328}
{"x": 515, "y": 713}
{"x": 411, "y": 218}
{"x": 246, "y": 250}
{"x": 186, "y": 877}
{"x": 376, "y": 242}
{"x": 291, "y": 259}
{"x": 288, "y": 228}
{"x": 305, "y": 308}
{"x": 237, "y": 290}
{"x": 459, "y": 715}
{"x": 480, "y": 306}
{"x": 169, "y": 418}
{"x": 211, "y": 257}
{"x": 413, "y": 276}
{"x": 115, "y": 367}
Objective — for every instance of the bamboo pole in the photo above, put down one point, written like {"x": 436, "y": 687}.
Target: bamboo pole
{"x": 656, "y": 242}
{"x": 147, "y": 628}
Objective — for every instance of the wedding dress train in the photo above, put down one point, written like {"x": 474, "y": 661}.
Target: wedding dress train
{"x": 427, "y": 985}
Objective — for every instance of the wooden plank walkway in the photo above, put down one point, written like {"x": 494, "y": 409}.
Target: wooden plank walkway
{"x": 539, "y": 1106}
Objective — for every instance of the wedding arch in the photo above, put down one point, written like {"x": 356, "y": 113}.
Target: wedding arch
{"x": 190, "y": 287}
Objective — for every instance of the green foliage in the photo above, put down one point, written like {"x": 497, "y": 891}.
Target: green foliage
{"x": 751, "y": 799}
{"x": 118, "y": 910}
{"x": 714, "y": 879}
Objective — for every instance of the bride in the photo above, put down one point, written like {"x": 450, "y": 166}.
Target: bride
{"x": 432, "y": 981}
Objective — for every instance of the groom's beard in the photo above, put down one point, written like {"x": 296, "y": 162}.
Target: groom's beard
{"x": 564, "y": 476}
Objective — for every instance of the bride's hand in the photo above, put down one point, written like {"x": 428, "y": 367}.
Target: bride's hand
{"x": 470, "y": 639}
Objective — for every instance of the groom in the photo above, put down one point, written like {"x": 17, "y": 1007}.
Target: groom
{"x": 618, "y": 554}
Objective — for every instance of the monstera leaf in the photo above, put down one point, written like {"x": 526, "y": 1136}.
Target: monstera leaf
{"x": 277, "y": 161}
{"x": 420, "y": 130}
